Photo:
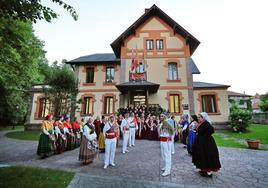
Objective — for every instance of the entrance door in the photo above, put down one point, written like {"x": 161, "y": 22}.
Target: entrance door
{"x": 138, "y": 98}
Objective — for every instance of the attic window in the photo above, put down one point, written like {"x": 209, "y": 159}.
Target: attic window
{"x": 149, "y": 44}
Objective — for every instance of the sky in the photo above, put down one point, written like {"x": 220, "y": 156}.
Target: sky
{"x": 233, "y": 35}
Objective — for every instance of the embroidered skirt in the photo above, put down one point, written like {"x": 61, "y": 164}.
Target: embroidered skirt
{"x": 86, "y": 154}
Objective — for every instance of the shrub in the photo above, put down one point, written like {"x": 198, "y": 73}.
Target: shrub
{"x": 240, "y": 118}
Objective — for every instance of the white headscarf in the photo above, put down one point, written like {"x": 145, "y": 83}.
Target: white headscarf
{"x": 86, "y": 119}
{"x": 205, "y": 116}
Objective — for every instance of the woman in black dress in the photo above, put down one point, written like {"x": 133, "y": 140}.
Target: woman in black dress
{"x": 205, "y": 151}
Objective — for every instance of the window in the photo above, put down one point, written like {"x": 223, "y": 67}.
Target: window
{"x": 88, "y": 105}
{"x": 174, "y": 103}
{"x": 209, "y": 103}
{"x": 140, "y": 68}
{"x": 109, "y": 74}
{"x": 172, "y": 71}
{"x": 44, "y": 108}
{"x": 108, "y": 105}
{"x": 149, "y": 44}
{"x": 159, "y": 44}
{"x": 90, "y": 75}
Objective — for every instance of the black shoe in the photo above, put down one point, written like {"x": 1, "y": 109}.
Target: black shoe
{"x": 209, "y": 175}
{"x": 202, "y": 173}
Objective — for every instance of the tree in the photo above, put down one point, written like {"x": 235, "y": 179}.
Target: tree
{"x": 264, "y": 102}
{"x": 21, "y": 59}
{"x": 63, "y": 89}
{"x": 32, "y": 10}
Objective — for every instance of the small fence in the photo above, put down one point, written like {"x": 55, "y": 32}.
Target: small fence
{"x": 261, "y": 118}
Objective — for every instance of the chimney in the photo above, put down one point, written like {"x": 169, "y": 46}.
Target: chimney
{"x": 146, "y": 10}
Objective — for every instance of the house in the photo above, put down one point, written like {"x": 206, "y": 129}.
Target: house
{"x": 151, "y": 64}
{"x": 241, "y": 99}
{"x": 256, "y": 100}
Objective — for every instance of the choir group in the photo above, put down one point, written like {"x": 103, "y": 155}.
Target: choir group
{"x": 103, "y": 135}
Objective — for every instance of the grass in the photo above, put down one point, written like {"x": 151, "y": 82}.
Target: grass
{"x": 24, "y": 135}
{"x": 19, "y": 176}
{"x": 17, "y": 127}
{"x": 255, "y": 131}
{"x": 227, "y": 142}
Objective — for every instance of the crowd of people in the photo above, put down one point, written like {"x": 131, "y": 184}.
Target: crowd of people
{"x": 103, "y": 135}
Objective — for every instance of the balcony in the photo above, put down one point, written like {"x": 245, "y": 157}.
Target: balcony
{"x": 137, "y": 77}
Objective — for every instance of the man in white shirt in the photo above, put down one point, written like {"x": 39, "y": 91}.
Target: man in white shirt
{"x": 166, "y": 132}
{"x": 110, "y": 142}
{"x": 132, "y": 129}
{"x": 125, "y": 130}
{"x": 172, "y": 123}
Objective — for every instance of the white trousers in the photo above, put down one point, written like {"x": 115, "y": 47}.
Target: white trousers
{"x": 132, "y": 135}
{"x": 166, "y": 155}
{"x": 110, "y": 147}
{"x": 125, "y": 141}
{"x": 172, "y": 144}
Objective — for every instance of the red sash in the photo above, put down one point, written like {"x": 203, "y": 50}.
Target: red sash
{"x": 165, "y": 139}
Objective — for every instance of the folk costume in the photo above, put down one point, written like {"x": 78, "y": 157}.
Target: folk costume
{"x": 97, "y": 124}
{"x": 109, "y": 133}
{"x": 77, "y": 135}
{"x": 69, "y": 133}
{"x": 101, "y": 138}
{"x": 88, "y": 147}
{"x": 192, "y": 133}
{"x": 125, "y": 130}
{"x": 132, "y": 130}
{"x": 205, "y": 151}
{"x": 166, "y": 132}
{"x": 44, "y": 148}
{"x": 59, "y": 136}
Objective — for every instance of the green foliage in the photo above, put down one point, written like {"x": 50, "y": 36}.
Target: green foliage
{"x": 63, "y": 88}
{"x": 239, "y": 118}
{"x": 264, "y": 105}
{"x": 32, "y": 11}
{"x": 264, "y": 102}
{"x": 21, "y": 57}
{"x": 20, "y": 176}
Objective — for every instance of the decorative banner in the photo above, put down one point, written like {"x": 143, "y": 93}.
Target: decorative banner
{"x": 137, "y": 76}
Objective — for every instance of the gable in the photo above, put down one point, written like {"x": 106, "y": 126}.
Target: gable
{"x": 149, "y": 13}
{"x": 153, "y": 24}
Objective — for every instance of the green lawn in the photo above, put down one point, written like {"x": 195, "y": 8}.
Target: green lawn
{"x": 6, "y": 128}
{"x": 24, "y": 135}
{"x": 19, "y": 176}
{"x": 255, "y": 131}
{"x": 227, "y": 142}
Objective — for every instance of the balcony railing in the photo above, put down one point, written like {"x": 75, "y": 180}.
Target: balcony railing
{"x": 137, "y": 77}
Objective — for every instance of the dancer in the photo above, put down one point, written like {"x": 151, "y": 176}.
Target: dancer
{"x": 125, "y": 130}
{"x": 110, "y": 142}
{"x": 205, "y": 151}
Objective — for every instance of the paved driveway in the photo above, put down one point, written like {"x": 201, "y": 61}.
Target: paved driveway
{"x": 141, "y": 167}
